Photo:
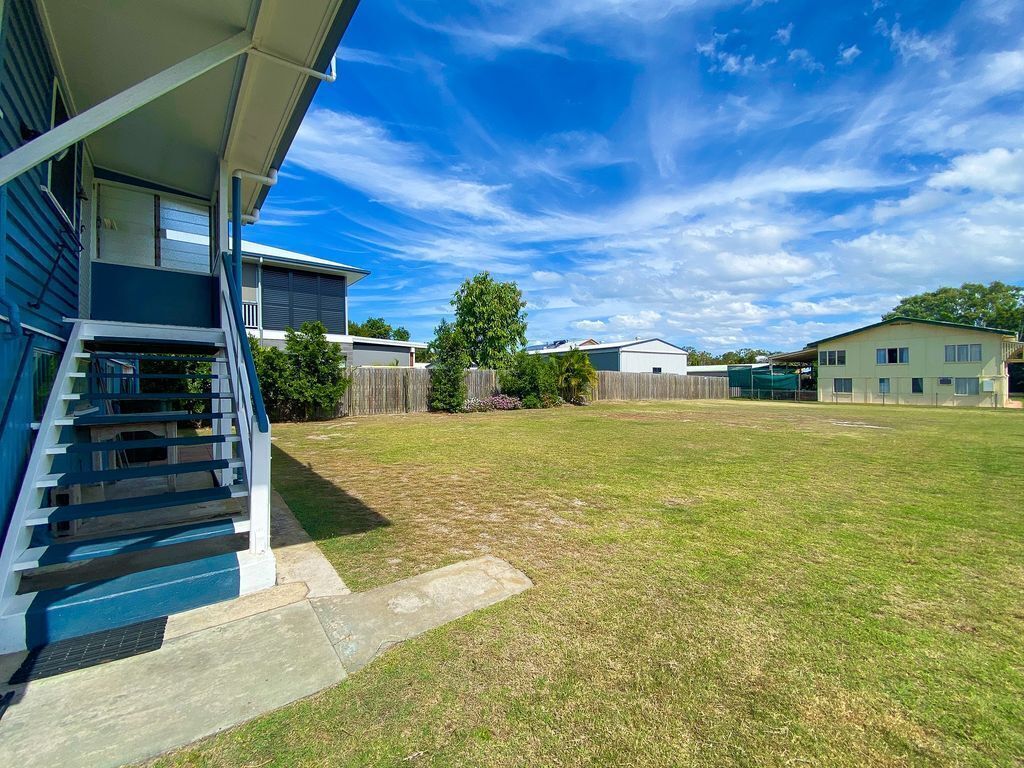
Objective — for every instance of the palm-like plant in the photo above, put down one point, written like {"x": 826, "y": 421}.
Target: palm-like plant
{"x": 576, "y": 376}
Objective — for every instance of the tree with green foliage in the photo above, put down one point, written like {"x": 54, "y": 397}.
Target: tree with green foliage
{"x": 489, "y": 316}
{"x": 696, "y": 356}
{"x": 275, "y": 374}
{"x": 575, "y": 375}
{"x": 318, "y": 366}
{"x": 305, "y": 379}
{"x": 448, "y": 373}
{"x": 377, "y": 328}
{"x": 741, "y": 356}
{"x": 531, "y": 378}
{"x": 996, "y": 305}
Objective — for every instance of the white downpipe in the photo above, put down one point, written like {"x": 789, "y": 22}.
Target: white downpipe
{"x": 267, "y": 181}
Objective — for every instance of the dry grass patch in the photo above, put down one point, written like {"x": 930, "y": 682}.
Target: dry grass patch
{"x": 716, "y": 584}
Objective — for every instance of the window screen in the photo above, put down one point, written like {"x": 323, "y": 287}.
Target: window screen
{"x": 293, "y": 297}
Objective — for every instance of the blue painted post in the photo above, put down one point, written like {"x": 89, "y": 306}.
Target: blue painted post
{"x": 236, "y": 231}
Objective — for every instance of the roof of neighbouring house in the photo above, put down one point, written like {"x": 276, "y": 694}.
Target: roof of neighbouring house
{"x": 902, "y": 319}
{"x": 565, "y": 346}
{"x": 268, "y": 253}
{"x": 724, "y": 368}
{"x": 807, "y": 354}
{"x": 389, "y": 342}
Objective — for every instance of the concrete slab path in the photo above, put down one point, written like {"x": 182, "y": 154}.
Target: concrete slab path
{"x": 227, "y": 663}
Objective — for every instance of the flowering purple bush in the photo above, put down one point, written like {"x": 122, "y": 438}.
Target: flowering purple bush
{"x": 493, "y": 403}
{"x": 505, "y": 403}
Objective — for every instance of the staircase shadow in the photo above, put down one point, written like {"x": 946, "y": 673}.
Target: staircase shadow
{"x": 323, "y": 509}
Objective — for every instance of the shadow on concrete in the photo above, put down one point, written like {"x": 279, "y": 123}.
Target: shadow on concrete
{"x": 324, "y": 510}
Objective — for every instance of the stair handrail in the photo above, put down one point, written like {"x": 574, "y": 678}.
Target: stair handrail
{"x": 252, "y": 421}
{"x": 235, "y": 303}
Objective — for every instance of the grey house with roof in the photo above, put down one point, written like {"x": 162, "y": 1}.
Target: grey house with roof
{"x": 283, "y": 289}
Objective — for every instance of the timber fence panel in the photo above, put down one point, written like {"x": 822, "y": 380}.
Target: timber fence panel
{"x": 392, "y": 390}
{"x": 619, "y": 385}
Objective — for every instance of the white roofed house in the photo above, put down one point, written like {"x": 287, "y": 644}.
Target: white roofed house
{"x": 134, "y": 136}
{"x": 283, "y": 289}
{"x": 637, "y": 356}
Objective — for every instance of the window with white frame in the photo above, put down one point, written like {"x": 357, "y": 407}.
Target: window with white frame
{"x": 965, "y": 386}
{"x": 963, "y": 353}
{"x": 883, "y": 386}
{"x": 832, "y": 357}
{"x": 842, "y": 386}
{"x": 917, "y": 386}
{"x": 892, "y": 355}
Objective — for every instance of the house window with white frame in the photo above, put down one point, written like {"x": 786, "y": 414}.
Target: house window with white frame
{"x": 842, "y": 386}
{"x": 965, "y": 386}
{"x": 963, "y": 353}
{"x": 883, "y": 386}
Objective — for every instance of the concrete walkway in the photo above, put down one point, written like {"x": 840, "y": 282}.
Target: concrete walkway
{"x": 227, "y": 663}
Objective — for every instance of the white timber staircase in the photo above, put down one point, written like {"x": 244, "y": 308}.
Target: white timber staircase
{"x": 98, "y": 540}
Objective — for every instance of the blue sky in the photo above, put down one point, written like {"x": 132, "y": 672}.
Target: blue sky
{"x": 722, "y": 174}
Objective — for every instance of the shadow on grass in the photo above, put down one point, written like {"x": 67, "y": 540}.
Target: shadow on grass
{"x": 323, "y": 509}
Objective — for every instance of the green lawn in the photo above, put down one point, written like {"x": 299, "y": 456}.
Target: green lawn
{"x": 717, "y": 583}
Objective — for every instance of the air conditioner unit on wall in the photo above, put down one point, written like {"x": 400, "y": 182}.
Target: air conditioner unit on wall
{"x": 945, "y": 381}
{"x": 988, "y": 386}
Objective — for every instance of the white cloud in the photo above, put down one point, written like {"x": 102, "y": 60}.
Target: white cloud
{"x": 784, "y": 34}
{"x": 847, "y": 54}
{"x": 590, "y": 325}
{"x": 1000, "y": 171}
{"x": 360, "y": 152}
{"x": 804, "y": 59}
{"x": 912, "y": 44}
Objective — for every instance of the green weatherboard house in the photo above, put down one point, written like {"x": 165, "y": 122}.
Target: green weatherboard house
{"x": 913, "y": 362}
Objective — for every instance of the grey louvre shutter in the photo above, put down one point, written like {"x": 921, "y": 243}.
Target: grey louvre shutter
{"x": 305, "y": 298}
{"x": 276, "y": 299}
{"x": 332, "y": 303}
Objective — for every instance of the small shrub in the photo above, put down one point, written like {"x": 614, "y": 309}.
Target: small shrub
{"x": 493, "y": 403}
{"x": 532, "y": 402}
{"x": 530, "y": 376}
{"x": 505, "y": 402}
{"x": 448, "y": 374}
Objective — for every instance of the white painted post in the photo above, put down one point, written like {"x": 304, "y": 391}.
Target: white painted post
{"x": 259, "y": 493}
{"x": 222, "y": 426}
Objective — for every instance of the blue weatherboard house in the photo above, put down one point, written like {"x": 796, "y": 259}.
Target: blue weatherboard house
{"x": 124, "y": 126}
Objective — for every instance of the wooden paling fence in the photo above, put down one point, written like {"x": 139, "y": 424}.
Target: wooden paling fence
{"x": 615, "y": 385}
{"x": 377, "y": 391}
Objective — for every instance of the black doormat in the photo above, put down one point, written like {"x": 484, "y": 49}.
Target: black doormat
{"x": 90, "y": 650}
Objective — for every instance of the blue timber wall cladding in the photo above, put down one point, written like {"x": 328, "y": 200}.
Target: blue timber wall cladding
{"x": 36, "y": 275}
{"x": 152, "y": 295}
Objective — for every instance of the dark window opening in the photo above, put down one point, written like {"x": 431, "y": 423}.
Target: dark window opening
{"x": 64, "y": 166}
{"x": 656, "y": 370}
{"x": 917, "y": 386}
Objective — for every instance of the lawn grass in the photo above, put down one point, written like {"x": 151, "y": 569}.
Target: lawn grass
{"x": 716, "y": 583}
